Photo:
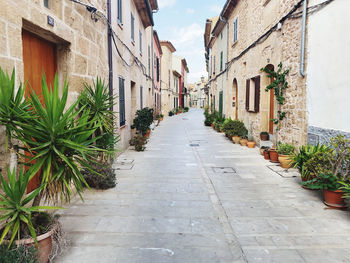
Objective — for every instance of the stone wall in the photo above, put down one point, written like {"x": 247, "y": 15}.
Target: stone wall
{"x": 322, "y": 135}
{"x": 81, "y": 42}
{"x": 283, "y": 45}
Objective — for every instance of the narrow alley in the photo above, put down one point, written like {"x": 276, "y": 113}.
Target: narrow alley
{"x": 197, "y": 197}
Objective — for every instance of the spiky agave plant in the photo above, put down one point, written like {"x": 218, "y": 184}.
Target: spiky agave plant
{"x": 13, "y": 106}
{"x": 59, "y": 141}
{"x": 14, "y": 203}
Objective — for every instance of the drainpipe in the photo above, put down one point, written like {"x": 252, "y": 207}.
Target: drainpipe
{"x": 303, "y": 33}
{"x": 110, "y": 63}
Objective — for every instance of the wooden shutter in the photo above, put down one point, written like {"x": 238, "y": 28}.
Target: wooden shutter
{"x": 247, "y": 95}
{"x": 257, "y": 94}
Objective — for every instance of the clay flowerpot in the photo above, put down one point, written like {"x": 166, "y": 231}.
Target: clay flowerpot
{"x": 212, "y": 125}
{"x": 251, "y": 144}
{"x": 148, "y": 133}
{"x": 334, "y": 198}
{"x": 236, "y": 139}
{"x": 264, "y": 137}
{"x": 273, "y": 156}
{"x": 45, "y": 245}
{"x": 243, "y": 142}
{"x": 285, "y": 161}
{"x": 266, "y": 155}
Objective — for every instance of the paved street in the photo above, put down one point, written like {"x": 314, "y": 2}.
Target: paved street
{"x": 173, "y": 203}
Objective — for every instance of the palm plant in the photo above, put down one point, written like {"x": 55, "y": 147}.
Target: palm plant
{"x": 98, "y": 104}
{"x": 12, "y": 108}
{"x": 14, "y": 202}
{"x": 59, "y": 141}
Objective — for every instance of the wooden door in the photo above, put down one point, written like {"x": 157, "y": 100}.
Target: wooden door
{"x": 39, "y": 56}
{"x": 272, "y": 110}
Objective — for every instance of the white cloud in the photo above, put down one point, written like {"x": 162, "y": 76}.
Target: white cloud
{"x": 188, "y": 35}
{"x": 215, "y": 9}
{"x": 190, "y": 11}
{"x": 166, "y": 3}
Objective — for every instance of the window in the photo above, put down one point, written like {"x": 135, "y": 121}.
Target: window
{"x": 252, "y": 102}
{"x": 211, "y": 65}
{"x": 140, "y": 34}
{"x": 221, "y": 60}
{"x": 235, "y": 30}
{"x": 46, "y": 3}
{"x": 141, "y": 97}
{"x": 120, "y": 8}
{"x": 121, "y": 101}
{"x": 157, "y": 69}
{"x": 132, "y": 28}
{"x": 221, "y": 35}
{"x": 214, "y": 66}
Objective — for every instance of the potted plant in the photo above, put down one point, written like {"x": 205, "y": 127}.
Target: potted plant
{"x": 244, "y": 140}
{"x": 262, "y": 149}
{"x": 143, "y": 120}
{"x": 285, "y": 152}
{"x": 334, "y": 181}
{"x": 251, "y": 142}
{"x": 273, "y": 154}
{"x": 238, "y": 130}
{"x": 21, "y": 220}
{"x": 171, "y": 113}
{"x": 267, "y": 154}
{"x": 264, "y": 136}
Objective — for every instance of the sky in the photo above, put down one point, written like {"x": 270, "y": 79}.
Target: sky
{"x": 182, "y": 22}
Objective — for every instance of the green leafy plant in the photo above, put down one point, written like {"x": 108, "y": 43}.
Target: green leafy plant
{"x": 336, "y": 174}
{"x": 278, "y": 85}
{"x": 143, "y": 119}
{"x": 186, "y": 109}
{"x": 323, "y": 182}
{"x": 12, "y": 104}
{"x": 171, "y": 113}
{"x": 59, "y": 141}
{"x": 139, "y": 141}
{"x": 305, "y": 153}
{"x": 22, "y": 254}
{"x": 285, "y": 149}
{"x": 105, "y": 178}
{"x": 14, "y": 203}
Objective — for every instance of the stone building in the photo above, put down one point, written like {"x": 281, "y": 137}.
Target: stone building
{"x": 133, "y": 74}
{"x": 261, "y": 33}
{"x": 174, "y": 78}
{"x": 197, "y": 94}
{"x": 52, "y": 36}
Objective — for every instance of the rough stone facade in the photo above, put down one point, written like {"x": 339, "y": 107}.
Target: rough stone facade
{"x": 282, "y": 45}
{"x": 81, "y": 43}
{"x": 322, "y": 135}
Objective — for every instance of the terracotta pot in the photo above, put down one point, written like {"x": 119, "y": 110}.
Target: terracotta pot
{"x": 266, "y": 155}
{"x": 251, "y": 144}
{"x": 264, "y": 137}
{"x": 334, "y": 198}
{"x": 148, "y": 133}
{"x": 243, "y": 142}
{"x": 212, "y": 125}
{"x": 285, "y": 161}
{"x": 45, "y": 245}
{"x": 273, "y": 156}
{"x": 262, "y": 151}
{"x": 236, "y": 139}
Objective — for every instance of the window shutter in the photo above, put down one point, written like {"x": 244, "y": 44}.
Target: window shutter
{"x": 257, "y": 94}
{"x": 121, "y": 102}
{"x": 247, "y": 95}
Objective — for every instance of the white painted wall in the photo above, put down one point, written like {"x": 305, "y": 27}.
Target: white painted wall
{"x": 328, "y": 70}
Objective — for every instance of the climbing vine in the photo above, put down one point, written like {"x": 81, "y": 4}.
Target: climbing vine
{"x": 279, "y": 85}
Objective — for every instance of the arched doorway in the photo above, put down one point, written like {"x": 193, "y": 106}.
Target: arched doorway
{"x": 271, "y": 102}
{"x": 235, "y": 98}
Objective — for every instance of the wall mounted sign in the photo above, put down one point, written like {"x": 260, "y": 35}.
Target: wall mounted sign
{"x": 50, "y": 21}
